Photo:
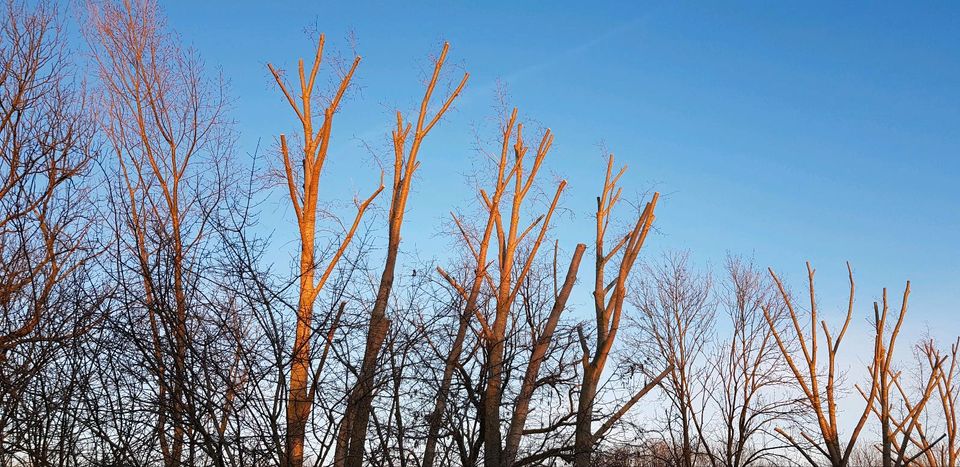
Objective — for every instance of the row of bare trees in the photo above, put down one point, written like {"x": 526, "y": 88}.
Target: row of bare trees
{"x": 145, "y": 320}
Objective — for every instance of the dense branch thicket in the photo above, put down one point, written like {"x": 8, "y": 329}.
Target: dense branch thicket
{"x": 144, "y": 321}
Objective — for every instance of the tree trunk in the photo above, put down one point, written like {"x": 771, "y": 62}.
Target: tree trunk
{"x": 583, "y": 436}
{"x": 361, "y": 398}
{"x": 522, "y": 407}
{"x": 299, "y": 402}
{"x": 435, "y": 418}
{"x": 492, "y": 398}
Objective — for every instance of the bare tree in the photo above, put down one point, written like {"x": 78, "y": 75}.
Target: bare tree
{"x": 142, "y": 323}
{"x": 609, "y": 297}
{"x": 518, "y": 242}
{"x": 45, "y": 148}
{"x": 50, "y": 292}
{"x": 405, "y": 165}
{"x": 676, "y": 325}
{"x": 940, "y": 451}
{"x": 163, "y": 121}
{"x": 898, "y": 430}
{"x": 808, "y": 375}
{"x": 303, "y": 187}
{"x": 754, "y": 385}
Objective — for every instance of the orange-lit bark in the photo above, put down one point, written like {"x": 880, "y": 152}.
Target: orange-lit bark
{"x": 357, "y": 415}
{"x": 510, "y": 269}
{"x": 807, "y": 374}
{"x": 44, "y": 147}
{"x": 898, "y": 432}
{"x": 521, "y": 409}
{"x": 941, "y": 451}
{"x": 608, "y": 305}
{"x": 158, "y": 116}
{"x": 303, "y": 196}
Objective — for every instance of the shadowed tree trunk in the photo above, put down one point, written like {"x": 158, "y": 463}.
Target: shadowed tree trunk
{"x": 521, "y": 409}
{"x": 162, "y": 120}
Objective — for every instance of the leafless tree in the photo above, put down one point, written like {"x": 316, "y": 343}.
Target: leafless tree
{"x": 45, "y": 147}
{"x": 753, "y": 392}
{"x": 676, "y": 319}
{"x": 303, "y": 186}
{"x": 942, "y": 450}
{"x": 162, "y": 119}
{"x": 144, "y": 322}
{"x": 896, "y": 429}
{"x": 518, "y": 241}
{"x": 405, "y": 165}
{"x": 609, "y": 297}
{"x": 808, "y": 374}
{"x": 50, "y": 292}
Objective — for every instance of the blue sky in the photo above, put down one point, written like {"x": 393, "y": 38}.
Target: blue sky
{"x": 790, "y": 132}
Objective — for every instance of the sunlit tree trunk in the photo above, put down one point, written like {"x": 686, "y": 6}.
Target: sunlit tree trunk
{"x": 303, "y": 187}
{"x": 608, "y": 306}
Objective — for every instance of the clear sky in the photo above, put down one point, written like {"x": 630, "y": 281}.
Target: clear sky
{"x": 792, "y": 132}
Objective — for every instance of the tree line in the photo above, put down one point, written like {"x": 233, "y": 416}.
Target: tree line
{"x": 142, "y": 321}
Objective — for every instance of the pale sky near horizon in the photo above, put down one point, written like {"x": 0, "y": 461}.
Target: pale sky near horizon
{"x": 789, "y": 132}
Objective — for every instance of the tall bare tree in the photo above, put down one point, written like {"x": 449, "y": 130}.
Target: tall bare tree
{"x": 303, "y": 186}
{"x": 518, "y": 242}
{"x": 50, "y": 293}
{"x": 45, "y": 148}
{"x": 609, "y": 297}
{"x": 753, "y": 392}
{"x": 406, "y": 149}
{"x": 162, "y": 119}
{"x": 141, "y": 322}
